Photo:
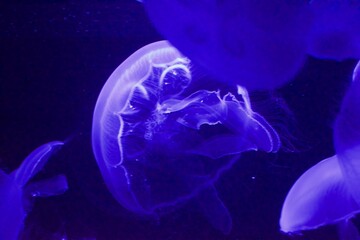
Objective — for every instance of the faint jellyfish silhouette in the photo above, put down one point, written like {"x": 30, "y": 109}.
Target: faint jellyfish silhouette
{"x": 241, "y": 42}
{"x": 17, "y": 192}
{"x": 347, "y": 135}
{"x": 329, "y": 192}
{"x": 157, "y": 145}
{"x": 335, "y": 33}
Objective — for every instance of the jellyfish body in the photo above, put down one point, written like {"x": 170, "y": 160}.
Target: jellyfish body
{"x": 347, "y": 136}
{"x": 241, "y": 42}
{"x": 249, "y": 43}
{"x": 329, "y": 192}
{"x": 335, "y": 31}
{"x": 158, "y": 145}
{"x": 319, "y": 197}
{"x": 16, "y": 192}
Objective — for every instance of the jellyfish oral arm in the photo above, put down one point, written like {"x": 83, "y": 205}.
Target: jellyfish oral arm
{"x": 16, "y": 193}
{"x": 35, "y": 162}
{"x": 215, "y": 210}
{"x": 250, "y": 130}
{"x": 45, "y": 188}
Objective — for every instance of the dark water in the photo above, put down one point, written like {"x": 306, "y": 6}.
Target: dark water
{"x": 55, "y": 57}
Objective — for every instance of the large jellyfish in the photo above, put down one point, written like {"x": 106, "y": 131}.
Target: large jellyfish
{"x": 258, "y": 44}
{"x": 242, "y": 42}
{"x": 329, "y": 192}
{"x": 159, "y": 143}
{"x": 17, "y": 192}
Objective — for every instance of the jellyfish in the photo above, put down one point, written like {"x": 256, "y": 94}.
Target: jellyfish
{"x": 159, "y": 143}
{"x": 241, "y": 42}
{"x": 329, "y": 193}
{"x": 17, "y": 193}
{"x": 335, "y": 31}
{"x": 258, "y": 44}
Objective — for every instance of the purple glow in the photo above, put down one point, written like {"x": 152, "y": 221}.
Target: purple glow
{"x": 159, "y": 145}
{"x": 329, "y": 192}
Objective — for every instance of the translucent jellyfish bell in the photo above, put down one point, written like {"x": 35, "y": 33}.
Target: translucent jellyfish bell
{"x": 16, "y": 192}
{"x": 347, "y": 136}
{"x": 241, "y": 42}
{"x": 335, "y": 33}
{"x": 329, "y": 192}
{"x": 157, "y": 145}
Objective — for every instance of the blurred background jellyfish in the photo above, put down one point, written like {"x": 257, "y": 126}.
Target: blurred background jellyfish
{"x": 17, "y": 192}
{"x": 241, "y": 42}
{"x": 329, "y": 192}
{"x": 347, "y": 136}
{"x": 335, "y": 32}
{"x": 250, "y": 43}
{"x": 158, "y": 142}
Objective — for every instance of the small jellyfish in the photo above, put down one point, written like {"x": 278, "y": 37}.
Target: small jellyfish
{"x": 17, "y": 192}
{"x": 335, "y": 31}
{"x": 159, "y": 145}
{"x": 329, "y": 192}
{"x": 242, "y": 42}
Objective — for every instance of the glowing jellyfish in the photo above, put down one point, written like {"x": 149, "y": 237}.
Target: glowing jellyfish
{"x": 335, "y": 32}
{"x": 329, "y": 192}
{"x": 159, "y": 145}
{"x": 242, "y": 42}
{"x": 17, "y": 192}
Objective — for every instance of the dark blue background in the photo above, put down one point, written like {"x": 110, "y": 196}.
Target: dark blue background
{"x": 55, "y": 57}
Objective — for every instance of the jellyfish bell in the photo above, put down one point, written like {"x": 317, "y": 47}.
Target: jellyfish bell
{"x": 239, "y": 42}
{"x": 356, "y": 73}
{"x": 123, "y": 84}
{"x": 159, "y": 145}
{"x": 335, "y": 32}
{"x": 319, "y": 197}
{"x": 329, "y": 193}
{"x": 347, "y": 135}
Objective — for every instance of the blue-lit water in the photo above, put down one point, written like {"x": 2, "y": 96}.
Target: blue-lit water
{"x": 54, "y": 60}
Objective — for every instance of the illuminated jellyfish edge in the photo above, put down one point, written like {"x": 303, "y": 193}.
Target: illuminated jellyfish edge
{"x": 307, "y": 207}
{"x": 347, "y": 135}
{"x": 345, "y": 168}
{"x": 35, "y": 161}
{"x": 111, "y": 90}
